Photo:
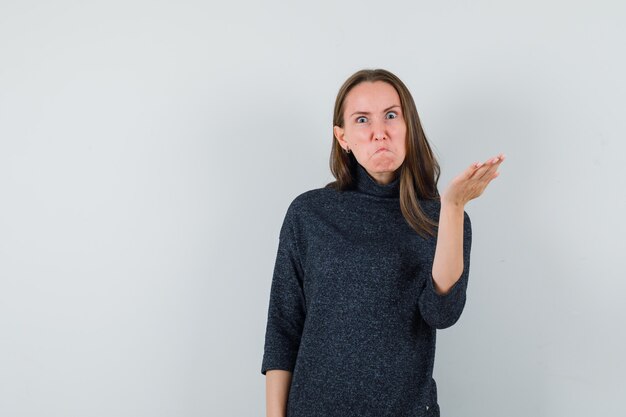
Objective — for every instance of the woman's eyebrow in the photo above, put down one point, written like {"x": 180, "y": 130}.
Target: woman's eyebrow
{"x": 366, "y": 112}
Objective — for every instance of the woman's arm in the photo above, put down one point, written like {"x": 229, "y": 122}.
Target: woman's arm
{"x": 443, "y": 299}
{"x": 277, "y": 384}
{"x": 448, "y": 262}
{"x": 285, "y": 317}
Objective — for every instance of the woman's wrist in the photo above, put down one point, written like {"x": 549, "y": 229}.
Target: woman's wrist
{"x": 452, "y": 205}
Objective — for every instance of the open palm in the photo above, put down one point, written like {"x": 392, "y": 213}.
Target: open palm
{"x": 471, "y": 183}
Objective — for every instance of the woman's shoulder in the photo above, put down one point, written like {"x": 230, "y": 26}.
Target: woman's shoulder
{"x": 313, "y": 197}
{"x": 307, "y": 205}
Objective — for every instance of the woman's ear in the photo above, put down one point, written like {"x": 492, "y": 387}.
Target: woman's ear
{"x": 339, "y": 132}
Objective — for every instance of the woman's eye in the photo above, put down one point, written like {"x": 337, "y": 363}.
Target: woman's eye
{"x": 361, "y": 119}
{"x": 392, "y": 115}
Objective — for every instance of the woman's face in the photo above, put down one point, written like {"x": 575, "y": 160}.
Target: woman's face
{"x": 374, "y": 129}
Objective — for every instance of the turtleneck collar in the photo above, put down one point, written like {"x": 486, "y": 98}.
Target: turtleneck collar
{"x": 368, "y": 185}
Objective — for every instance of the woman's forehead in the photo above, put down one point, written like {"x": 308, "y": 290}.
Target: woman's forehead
{"x": 372, "y": 96}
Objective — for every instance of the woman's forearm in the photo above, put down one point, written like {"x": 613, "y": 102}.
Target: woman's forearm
{"x": 448, "y": 262}
{"x": 277, "y": 384}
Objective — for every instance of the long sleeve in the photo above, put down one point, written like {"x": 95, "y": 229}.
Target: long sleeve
{"x": 287, "y": 307}
{"x": 442, "y": 311}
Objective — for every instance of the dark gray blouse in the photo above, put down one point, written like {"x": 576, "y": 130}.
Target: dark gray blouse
{"x": 353, "y": 311}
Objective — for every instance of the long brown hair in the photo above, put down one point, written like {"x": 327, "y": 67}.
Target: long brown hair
{"x": 419, "y": 173}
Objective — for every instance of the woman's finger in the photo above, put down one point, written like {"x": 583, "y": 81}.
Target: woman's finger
{"x": 472, "y": 169}
{"x": 479, "y": 169}
{"x": 491, "y": 165}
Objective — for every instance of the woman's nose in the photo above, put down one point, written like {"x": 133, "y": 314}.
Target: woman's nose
{"x": 378, "y": 131}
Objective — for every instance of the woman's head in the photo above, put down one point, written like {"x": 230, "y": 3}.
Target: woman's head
{"x": 374, "y": 109}
{"x": 370, "y": 124}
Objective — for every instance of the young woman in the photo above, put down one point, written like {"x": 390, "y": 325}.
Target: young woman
{"x": 369, "y": 266}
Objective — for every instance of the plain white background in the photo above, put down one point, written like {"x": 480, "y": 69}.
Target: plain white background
{"x": 149, "y": 151}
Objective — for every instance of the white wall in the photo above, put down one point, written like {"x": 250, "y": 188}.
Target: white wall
{"x": 149, "y": 150}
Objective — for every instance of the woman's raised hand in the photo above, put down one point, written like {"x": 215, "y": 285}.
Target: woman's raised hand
{"x": 471, "y": 183}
